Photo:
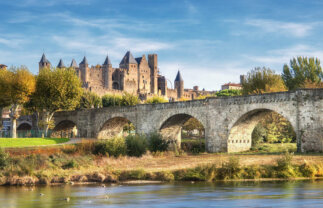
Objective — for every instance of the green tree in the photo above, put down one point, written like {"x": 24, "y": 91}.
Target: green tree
{"x": 4, "y": 99}
{"x": 262, "y": 80}
{"x": 227, "y": 92}
{"x": 109, "y": 100}
{"x": 56, "y": 89}
{"x": 303, "y": 72}
{"x": 156, "y": 99}
{"x": 129, "y": 99}
{"x": 90, "y": 100}
{"x": 193, "y": 124}
{"x": 17, "y": 84}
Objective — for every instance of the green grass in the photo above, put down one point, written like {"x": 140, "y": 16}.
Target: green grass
{"x": 274, "y": 148}
{"x": 27, "y": 142}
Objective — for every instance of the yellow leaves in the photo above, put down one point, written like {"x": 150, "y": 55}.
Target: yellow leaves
{"x": 263, "y": 80}
{"x": 17, "y": 84}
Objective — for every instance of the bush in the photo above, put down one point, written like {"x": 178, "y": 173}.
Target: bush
{"x": 230, "y": 170}
{"x": 90, "y": 100}
{"x": 156, "y": 99}
{"x": 136, "y": 145}
{"x": 111, "y": 100}
{"x": 194, "y": 147}
{"x": 129, "y": 99}
{"x": 111, "y": 147}
{"x": 284, "y": 166}
{"x": 4, "y": 157}
{"x": 157, "y": 143}
{"x": 70, "y": 164}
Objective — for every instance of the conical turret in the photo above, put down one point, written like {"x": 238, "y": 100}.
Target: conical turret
{"x": 60, "y": 64}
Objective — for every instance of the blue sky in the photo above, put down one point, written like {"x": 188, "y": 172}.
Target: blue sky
{"x": 211, "y": 41}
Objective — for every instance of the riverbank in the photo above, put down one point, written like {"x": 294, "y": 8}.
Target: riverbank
{"x": 69, "y": 165}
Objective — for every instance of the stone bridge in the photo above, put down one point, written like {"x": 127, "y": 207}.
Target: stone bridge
{"x": 228, "y": 121}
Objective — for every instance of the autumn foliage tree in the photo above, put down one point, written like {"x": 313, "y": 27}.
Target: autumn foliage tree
{"x": 17, "y": 84}
{"x": 262, "y": 80}
{"x": 303, "y": 72}
{"x": 56, "y": 89}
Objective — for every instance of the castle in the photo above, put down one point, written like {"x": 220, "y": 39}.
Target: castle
{"x": 135, "y": 75}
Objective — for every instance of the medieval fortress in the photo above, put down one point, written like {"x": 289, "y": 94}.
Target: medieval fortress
{"x": 135, "y": 75}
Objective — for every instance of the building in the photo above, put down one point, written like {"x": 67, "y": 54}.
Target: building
{"x": 134, "y": 75}
{"x": 231, "y": 86}
{"x": 2, "y": 66}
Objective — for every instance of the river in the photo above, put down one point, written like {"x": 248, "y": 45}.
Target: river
{"x": 232, "y": 194}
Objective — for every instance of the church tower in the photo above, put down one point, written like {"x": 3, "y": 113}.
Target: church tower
{"x": 179, "y": 85}
{"x": 44, "y": 63}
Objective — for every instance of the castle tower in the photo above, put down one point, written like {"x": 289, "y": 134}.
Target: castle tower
{"x": 152, "y": 61}
{"x": 107, "y": 73}
{"x": 129, "y": 81}
{"x": 61, "y": 64}
{"x": 179, "y": 85}
{"x": 74, "y": 64}
{"x": 84, "y": 69}
{"x": 128, "y": 62}
{"x": 44, "y": 63}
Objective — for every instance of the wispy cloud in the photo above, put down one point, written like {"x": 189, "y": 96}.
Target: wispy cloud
{"x": 282, "y": 56}
{"x": 287, "y": 28}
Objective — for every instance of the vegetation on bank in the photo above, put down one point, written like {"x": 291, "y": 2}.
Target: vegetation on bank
{"x": 28, "y": 142}
{"x": 80, "y": 163}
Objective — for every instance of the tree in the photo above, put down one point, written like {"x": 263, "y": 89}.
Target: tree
{"x": 90, "y": 100}
{"x": 156, "y": 99}
{"x": 17, "y": 84}
{"x": 228, "y": 92}
{"x": 303, "y": 72}
{"x": 56, "y": 89}
{"x": 109, "y": 100}
{"x": 193, "y": 124}
{"x": 129, "y": 99}
{"x": 262, "y": 80}
{"x": 4, "y": 97}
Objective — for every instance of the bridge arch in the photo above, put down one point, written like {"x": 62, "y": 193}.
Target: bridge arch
{"x": 115, "y": 126}
{"x": 65, "y": 129}
{"x": 240, "y": 132}
{"x": 171, "y": 127}
{"x": 24, "y": 126}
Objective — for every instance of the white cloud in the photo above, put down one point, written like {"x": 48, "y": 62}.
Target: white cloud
{"x": 202, "y": 76}
{"x": 288, "y": 28}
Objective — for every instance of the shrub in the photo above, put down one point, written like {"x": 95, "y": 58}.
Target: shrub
{"x": 70, "y": 164}
{"x": 157, "y": 143}
{"x": 139, "y": 174}
{"x": 129, "y": 99}
{"x": 156, "y": 99}
{"x": 90, "y": 100}
{"x": 194, "y": 147}
{"x": 307, "y": 170}
{"x": 4, "y": 157}
{"x": 284, "y": 166}
{"x": 111, "y": 100}
{"x": 136, "y": 145}
{"x": 230, "y": 169}
{"x": 112, "y": 147}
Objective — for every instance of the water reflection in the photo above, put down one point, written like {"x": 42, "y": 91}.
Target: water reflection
{"x": 242, "y": 194}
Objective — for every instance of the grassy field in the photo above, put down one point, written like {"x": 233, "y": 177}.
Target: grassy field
{"x": 27, "y": 142}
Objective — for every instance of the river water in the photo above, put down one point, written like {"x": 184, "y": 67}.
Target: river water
{"x": 238, "y": 194}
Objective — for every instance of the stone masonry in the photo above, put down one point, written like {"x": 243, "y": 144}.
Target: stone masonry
{"x": 228, "y": 121}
